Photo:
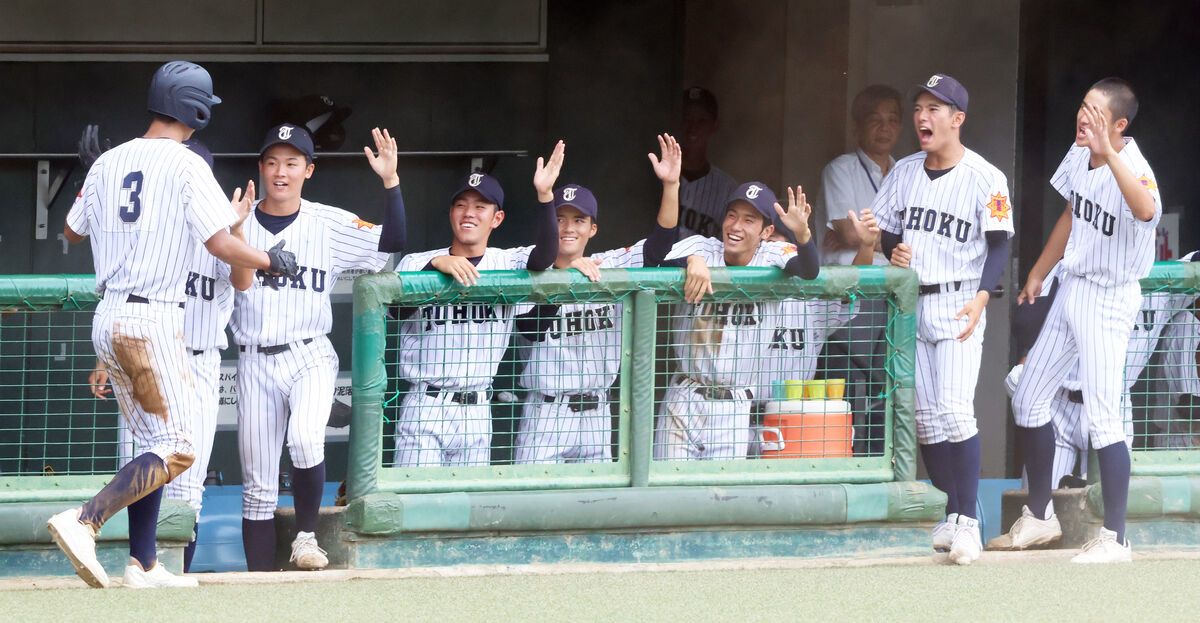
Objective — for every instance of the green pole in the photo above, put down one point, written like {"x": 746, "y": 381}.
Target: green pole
{"x": 645, "y": 319}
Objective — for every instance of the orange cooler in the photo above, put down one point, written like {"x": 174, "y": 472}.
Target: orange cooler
{"x": 810, "y": 428}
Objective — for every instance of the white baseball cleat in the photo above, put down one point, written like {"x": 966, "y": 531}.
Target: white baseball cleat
{"x": 156, "y": 577}
{"x": 967, "y": 546}
{"x": 305, "y": 552}
{"x": 1104, "y": 548}
{"x": 78, "y": 541}
{"x": 943, "y": 533}
{"x": 1029, "y": 530}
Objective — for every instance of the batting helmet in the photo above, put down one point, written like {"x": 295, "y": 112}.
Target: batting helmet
{"x": 183, "y": 91}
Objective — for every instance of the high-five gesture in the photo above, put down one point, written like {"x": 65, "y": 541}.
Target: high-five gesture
{"x": 242, "y": 205}
{"x": 796, "y": 216}
{"x": 547, "y": 172}
{"x": 667, "y": 167}
{"x": 383, "y": 164}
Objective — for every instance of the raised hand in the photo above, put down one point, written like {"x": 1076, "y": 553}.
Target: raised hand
{"x": 668, "y": 167}
{"x": 384, "y": 164}
{"x": 866, "y": 227}
{"x": 796, "y": 216}
{"x": 242, "y": 204}
{"x": 89, "y": 145}
{"x": 589, "y": 267}
{"x": 547, "y": 172}
{"x": 458, "y": 267}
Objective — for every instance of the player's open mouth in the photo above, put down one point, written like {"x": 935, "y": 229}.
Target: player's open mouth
{"x": 568, "y": 238}
{"x": 924, "y": 133}
{"x": 467, "y": 225}
{"x": 734, "y": 237}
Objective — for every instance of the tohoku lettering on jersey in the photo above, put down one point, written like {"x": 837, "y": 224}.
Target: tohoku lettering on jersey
{"x": 326, "y": 241}
{"x": 580, "y": 350}
{"x": 209, "y": 303}
{"x": 702, "y": 203}
{"x": 134, "y": 194}
{"x": 719, "y": 343}
{"x": 458, "y": 346}
{"x": 1108, "y": 244}
{"x": 944, "y": 220}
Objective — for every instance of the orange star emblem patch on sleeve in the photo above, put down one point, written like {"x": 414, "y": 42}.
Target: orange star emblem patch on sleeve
{"x": 789, "y": 249}
{"x": 361, "y": 224}
{"x": 1147, "y": 183}
{"x": 999, "y": 206}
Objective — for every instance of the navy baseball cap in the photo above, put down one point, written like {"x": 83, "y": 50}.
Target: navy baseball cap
{"x": 577, "y": 197}
{"x": 756, "y": 194}
{"x": 289, "y": 134}
{"x": 485, "y": 185}
{"x": 701, "y": 97}
{"x": 944, "y": 88}
{"x": 200, "y": 150}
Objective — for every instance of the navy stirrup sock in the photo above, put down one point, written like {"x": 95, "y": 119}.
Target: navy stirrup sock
{"x": 143, "y": 528}
{"x": 1037, "y": 446}
{"x": 307, "y": 487}
{"x": 939, "y": 464}
{"x": 1114, "y": 486}
{"x": 967, "y": 456}
{"x": 258, "y": 541}
{"x": 189, "y": 552}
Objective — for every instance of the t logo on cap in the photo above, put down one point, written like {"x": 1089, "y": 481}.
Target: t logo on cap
{"x": 475, "y": 179}
{"x": 285, "y": 132}
{"x": 934, "y": 80}
{"x": 752, "y": 191}
{"x": 568, "y": 194}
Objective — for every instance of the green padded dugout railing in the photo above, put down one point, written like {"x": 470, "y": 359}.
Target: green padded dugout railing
{"x": 646, "y": 298}
{"x": 57, "y": 441}
{"x": 1161, "y": 373}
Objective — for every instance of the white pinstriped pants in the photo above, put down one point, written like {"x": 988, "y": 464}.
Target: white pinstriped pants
{"x": 436, "y": 431}
{"x": 1089, "y": 324}
{"x": 550, "y": 432}
{"x": 947, "y": 369}
{"x": 189, "y": 486}
{"x": 141, "y": 346}
{"x": 1069, "y": 439}
{"x": 281, "y": 396}
{"x": 691, "y": 427}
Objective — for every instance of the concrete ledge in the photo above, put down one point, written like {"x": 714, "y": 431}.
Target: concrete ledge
{"x": 384, "y": 514}
{"x": 1159, "y": 515}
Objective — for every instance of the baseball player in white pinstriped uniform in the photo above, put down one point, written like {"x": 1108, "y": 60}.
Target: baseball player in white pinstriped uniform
{"x": 286, "y": 365}
{"x": 1105, "y": 238}
{"x": 574, "y": 348}
{"x": 945, "y": 212}
{"x": 703, "y": 188}
{"x": 145, "y": 204}
{"x": 1181, "y": 362}
{"x": 705, "y": 413}
{"x": 449, "y": 353}
{"x": 205, "y": 315}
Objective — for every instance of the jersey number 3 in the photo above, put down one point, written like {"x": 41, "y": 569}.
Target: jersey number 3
{"x": 130, "y": 207}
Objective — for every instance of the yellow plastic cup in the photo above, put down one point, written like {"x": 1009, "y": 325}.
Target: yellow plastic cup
{"x": 794, "y": 390}
{"x": 835, "y": 389}
{"x": 815, "y": 390}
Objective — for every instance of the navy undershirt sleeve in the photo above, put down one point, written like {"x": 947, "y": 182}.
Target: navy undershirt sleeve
{"x": 534, "y": 323}
{"x": 658, "y": 245}
{"x": 999, "y": 249}
{"x": 889, "y": 241}
{"x": 806, "y": 264}
{"x": 545, "y": 247}
{"x": 394, "y": 234}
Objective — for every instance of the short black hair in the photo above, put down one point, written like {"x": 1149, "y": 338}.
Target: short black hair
{"x": 1121, "y": 99}
{"x": 868, "y": 100}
